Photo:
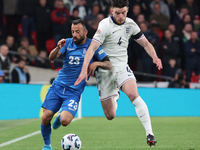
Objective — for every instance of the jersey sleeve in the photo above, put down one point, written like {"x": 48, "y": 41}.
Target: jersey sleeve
{"x": 64, "y": 48}
{"x": 101, "y": 33}
{"x": 99, "y": 54}
{"x": 137, "y": 33}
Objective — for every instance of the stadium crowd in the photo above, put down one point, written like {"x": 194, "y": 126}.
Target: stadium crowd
{"x": 30, "y": 29}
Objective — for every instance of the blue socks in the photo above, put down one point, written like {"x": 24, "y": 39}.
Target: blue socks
{"x": 46, "y": 133}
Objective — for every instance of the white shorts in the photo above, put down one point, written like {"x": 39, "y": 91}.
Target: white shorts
{"x": 108, "y": 82}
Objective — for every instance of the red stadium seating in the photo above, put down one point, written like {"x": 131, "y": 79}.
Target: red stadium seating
{"x": 20, "y": 31}
{"x": 52, "y": 65}
{"x": 195, "y": 78}
{"x": 57, "y": 69}
{"x": 34, "y": 38}
{"x": 50, "y": 45}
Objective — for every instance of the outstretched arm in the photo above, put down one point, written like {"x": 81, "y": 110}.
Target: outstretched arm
{"x": 151, "y": 51}
{"x": 88, "y": 56}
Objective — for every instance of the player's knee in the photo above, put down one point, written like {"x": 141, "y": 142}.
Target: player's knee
{"x": 65, "y": 122}
{"x": 46, "y": 119}
{"x": 110, "y": 116}
{"x": 132, "y": 96}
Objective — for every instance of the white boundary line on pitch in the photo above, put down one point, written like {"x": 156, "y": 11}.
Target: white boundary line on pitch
{"x": 26, "y": 136}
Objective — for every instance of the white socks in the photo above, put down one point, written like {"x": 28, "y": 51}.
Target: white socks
{"x": 143, "y": 114}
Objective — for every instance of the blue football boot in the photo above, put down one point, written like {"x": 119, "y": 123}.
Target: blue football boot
{"x": 56, "y": 122}
{"x": 47, "y": 147}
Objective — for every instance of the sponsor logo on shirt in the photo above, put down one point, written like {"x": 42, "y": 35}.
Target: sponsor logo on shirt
{"x": 71, "y": 109}
{"x": 114, "y": 32}
{"x": 70, "y": 49}
{"x": 98, "y": 31}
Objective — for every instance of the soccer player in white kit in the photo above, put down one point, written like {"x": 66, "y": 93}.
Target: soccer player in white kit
{"x": 113, "y": 34}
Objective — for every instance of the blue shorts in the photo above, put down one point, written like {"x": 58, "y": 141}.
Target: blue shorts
{"x": 58, "y": 96}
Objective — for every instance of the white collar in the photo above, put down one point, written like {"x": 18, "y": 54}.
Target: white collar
{"x": 2, "y": 57}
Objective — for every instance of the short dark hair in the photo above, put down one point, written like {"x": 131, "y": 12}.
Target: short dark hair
{"x": 119, "y": 3}
{"x": 81, "y": 21}
{"x": 20, "y": 59}
{"x": 75, "y": 9}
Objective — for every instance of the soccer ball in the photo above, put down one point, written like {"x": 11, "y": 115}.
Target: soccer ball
{"x": 71, "y": 142}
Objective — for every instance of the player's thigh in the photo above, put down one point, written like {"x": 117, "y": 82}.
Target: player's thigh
{"x": 71, "y": 102}
{"x": 106, "y": 84}
{"x": 130, "y": 88}
{"x": 52, "y": 101}
{"x": 127, "y": 82}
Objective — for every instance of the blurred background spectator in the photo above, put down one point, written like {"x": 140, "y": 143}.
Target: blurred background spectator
{"x": 141, "y": 18}
{"x": 144, "y": 7}
{"x": 196, "y": 22}
{"x": 41, "y": 60}
{"x": 135, "y": 12}
{"x": 59, "y": 16}
{"x": 170, "y": 49}
{"x": 30, "y": 48}
{"x": 68, "y": 23}
{"x": 175, "y": 37}
{"x": 159, "y": 17}
{"x": 171, "y": 68}
{"x": 43, "y": 23}
{"x": 81, "y": 5}
{"x": 179, "y": 17}
{"x": 5, "y": 61}
{"x": 20, "y": 74}
{"x": 24, "y": 54}
{"x": 68, "y": 4}
{"x": 192, "y": 55}
{"x": 10, "y": 42}
{"x": 179, "y": 80}
{"x": 192, "y": 6}
{"x": 104, "y": 6}
{"x": 12, "y": 18}
{"x": 90, "y": 18}
{"x": 27, "y": 10}
{"x": 172, "y": 9}
{"x": 164, "y": 9}
{"x": 186, "y": 19}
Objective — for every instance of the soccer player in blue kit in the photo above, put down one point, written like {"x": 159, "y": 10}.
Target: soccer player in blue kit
{"x": 63, "y": 92}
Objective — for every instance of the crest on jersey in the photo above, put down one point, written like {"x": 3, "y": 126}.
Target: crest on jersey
{"x": 84, "y": 52}
{"x": 98, "y": 31}
{"x": 128, "y": 29}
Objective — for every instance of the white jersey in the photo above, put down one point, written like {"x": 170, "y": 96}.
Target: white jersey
{"x": 114, "y": 40}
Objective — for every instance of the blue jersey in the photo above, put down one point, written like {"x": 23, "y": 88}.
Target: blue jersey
{"x": 73, "y": 57}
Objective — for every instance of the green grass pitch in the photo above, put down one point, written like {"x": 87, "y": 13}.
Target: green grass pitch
{"x": 97, "y": 133}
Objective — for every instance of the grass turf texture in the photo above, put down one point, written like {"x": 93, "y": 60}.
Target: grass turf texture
{"x": 122, "y": 133}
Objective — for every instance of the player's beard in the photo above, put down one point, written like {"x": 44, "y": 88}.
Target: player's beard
{"x": 78, "y": 41}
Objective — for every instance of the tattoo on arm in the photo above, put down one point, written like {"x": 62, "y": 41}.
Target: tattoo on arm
{"x": 105, "y": 65}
